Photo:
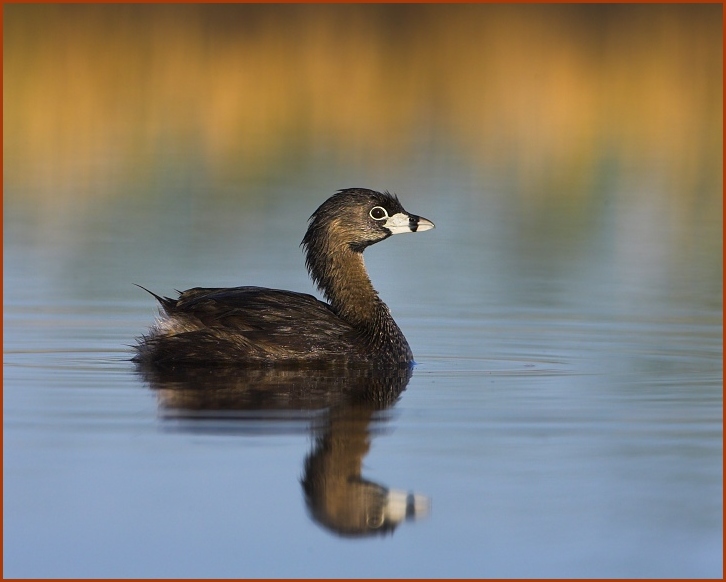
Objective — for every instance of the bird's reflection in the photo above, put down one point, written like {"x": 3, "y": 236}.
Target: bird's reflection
{"x": 337, "y": 495}
{"x": 339, "y": 406}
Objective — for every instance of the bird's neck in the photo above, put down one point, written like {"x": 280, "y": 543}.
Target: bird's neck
{"x": 340, "y": 273}
{"x": 346, "y": 284}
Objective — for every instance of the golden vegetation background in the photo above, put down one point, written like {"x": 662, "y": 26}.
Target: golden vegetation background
{"x": 94, "y": 94}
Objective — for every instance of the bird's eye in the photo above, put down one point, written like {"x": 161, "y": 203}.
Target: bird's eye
{"x": 378, "y": 213}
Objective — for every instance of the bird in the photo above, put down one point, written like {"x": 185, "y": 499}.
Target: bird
{"x": 254, "y": 326}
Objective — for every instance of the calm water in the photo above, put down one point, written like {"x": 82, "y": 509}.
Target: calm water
{"x": 560, "y": 423}
{"x": 564, "y": 417}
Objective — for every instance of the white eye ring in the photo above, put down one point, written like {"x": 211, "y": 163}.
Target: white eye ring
{"x": 378, "y": 213}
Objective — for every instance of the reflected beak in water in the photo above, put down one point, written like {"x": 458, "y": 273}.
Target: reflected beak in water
{"x": 402, "y": 505}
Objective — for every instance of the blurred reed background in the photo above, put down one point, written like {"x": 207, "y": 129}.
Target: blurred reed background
{"x": 550, "y": 98}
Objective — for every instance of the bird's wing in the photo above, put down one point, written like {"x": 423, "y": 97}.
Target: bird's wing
{"x": 254, "y": 323}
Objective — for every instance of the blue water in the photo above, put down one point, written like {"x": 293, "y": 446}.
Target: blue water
{"x": 564, "y": 417}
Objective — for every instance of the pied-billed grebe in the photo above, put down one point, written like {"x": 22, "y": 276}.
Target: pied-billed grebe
{"x": 254, "y": 325}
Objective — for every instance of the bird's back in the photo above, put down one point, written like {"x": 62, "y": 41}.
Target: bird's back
{"x": 247, "y": 325}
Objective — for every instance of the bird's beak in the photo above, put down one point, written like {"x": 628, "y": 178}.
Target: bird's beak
{"x": 401, "y": 223}
{"x": 423, "y": 224}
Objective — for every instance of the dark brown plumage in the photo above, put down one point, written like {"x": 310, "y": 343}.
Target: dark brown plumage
{"x": 255, "y": 325}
